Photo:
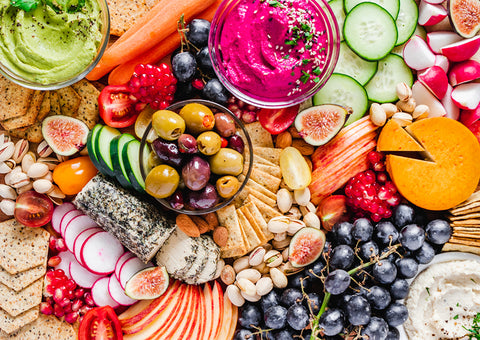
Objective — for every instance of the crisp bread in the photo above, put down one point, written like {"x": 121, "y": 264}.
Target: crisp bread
{"x": 15, "y": 303}
{"x": 270, "y": 154}
{"x": 267, "y": 212}
{"x": 45, "y": 107}
{"x": 45, "y": 327}
{"x": 55, "y": 108}
{"x": 250, "y": 234}
{"x": 69, "y": 100}
{"x": 23, "y": 279}
{"x": 235, "y": 245}
{"x": 33, "y": 133}
{"x": 270, "y": 182}
{"x": 258, "y": 135}
{"x": 14, "y": 99}
{"x": 88, "y": 109}
{"x": 259, "y": 220}
{"x": 125, "y": 13}
{"x": 10, "y": 324}
{"x": 29, "y": 117}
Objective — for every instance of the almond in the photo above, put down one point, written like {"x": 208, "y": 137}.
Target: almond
{"x": 283, "y": 140}
{"x": 186, "y": 224}
{"x": 293, "y": 131}
{"x": 212, "y": 220}
{"x": 302, "y": 146}
{"x": 220, "y": 236}
{"x": 202, "y": 225}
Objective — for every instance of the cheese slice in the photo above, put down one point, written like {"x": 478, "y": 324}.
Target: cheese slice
{"x": 394, "y": 138}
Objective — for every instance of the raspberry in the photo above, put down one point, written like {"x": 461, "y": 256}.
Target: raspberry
{"x": 153, "y": 85}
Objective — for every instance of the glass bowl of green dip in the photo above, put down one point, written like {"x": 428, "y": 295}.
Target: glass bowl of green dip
{"x": 51, "y": 46}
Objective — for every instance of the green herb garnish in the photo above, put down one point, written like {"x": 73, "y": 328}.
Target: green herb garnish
{"x": 26, "y": 5}
{"x": 292, "y": 42}
{"x": 475, "y": 330}
{"x": 305, "y": 62}
{"x": 455, "y": 317}
{"x": 317, "y": 70}
{"x": 59, "y": 6}
{"x": 286, "y": 56}
{"x": 428, "y": 290}
{"x": 274, "y": 3}
{"x": 316, "y": 79}
{"x": 305, "y": 76}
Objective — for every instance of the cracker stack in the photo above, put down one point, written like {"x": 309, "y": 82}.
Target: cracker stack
{"x": 22, "y": 109}
{"x": 246, "y": 219}
{"x": 23, "y": 262}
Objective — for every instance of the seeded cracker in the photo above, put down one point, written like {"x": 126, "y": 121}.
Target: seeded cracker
{"x": 69, "y": 101}
{"x": 15, "y": 303}
{"x": 14, "y": 99}
{"x": 270, "y": 154}
{"x": 29, "y": 117}
{"x": 22, "y": 247}
{"x": 125, "y": 13}
{"x": 9, "y": 324}
{"x": 258, "y": 135}
{"x": 23, "y": 279}
{"x": 227, "y": 217}
{"x": 45, "y": 107}
{"x": 45, "y": 327}
{"x": 88, "y": 109}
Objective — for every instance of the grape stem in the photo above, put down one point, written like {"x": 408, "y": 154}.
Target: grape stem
{"x": 327, "y": 296}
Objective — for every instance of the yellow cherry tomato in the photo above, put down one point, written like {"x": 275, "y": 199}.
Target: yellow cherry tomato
{"x": 72, "y": 175}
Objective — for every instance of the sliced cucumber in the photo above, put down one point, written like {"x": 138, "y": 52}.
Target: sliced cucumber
{"x": 131, "y": 160}
{"x": 370, "y": 31}
{"x": 92, "y": 152}
{"x": 116, "y": 147}
{"x": 102, "y": 146}
{"x": 350, "y": 64}
{"x": 406, "y": 20}
{"x": 392, "y": 6}
{"x": 343, "y": 90}
{"x": 339, "y": 13}
{"x": 392, "y": 70}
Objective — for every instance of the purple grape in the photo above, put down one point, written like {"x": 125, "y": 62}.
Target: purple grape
{"x": 203, "y": 199}
{"x": 187, "y": 144}
{"x": 236, "y": 143}
{"x": 196, "y": 173}
{"x": 167, "y": 152}
{"x": 176, "y": 200}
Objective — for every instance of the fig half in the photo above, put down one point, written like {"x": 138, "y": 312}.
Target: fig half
{"x": 306, "y": 246}
{"x": 65, "y": 135}
{"x": 465, "y": 16}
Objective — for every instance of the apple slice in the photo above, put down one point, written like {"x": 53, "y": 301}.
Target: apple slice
{"x": 217, "y": 295}
{"x": 209, "y": 322}
{"x": 466, "y": 96}
{"x": 437, "y": 40}
{"x": 462, "y": 50}
{"x": 423, "y": 96}
{"x": 435, "y": 79}
{"x": 442, "y": 61}
{"x": 453, "y": 111}
{"x": 199, "y": 323}
{"x": 185, "y": 326}
{"x": 430, "y": 14}
{"x": 417, "y": 55}
{"x": 468, "y": 117}
{"x": 226, "y": 325}
{"x": 464, "y": 72}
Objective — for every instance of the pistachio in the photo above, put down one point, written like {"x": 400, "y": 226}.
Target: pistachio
{"x": 84, "y": 152}
{"x": 42, "y": 186}
{"x": 55, "y": 192}
{"x": 407, "y": 106}
{"x": 220, "y": 266}
{"x": 288, "y": 269}
{"x": 294, "y": 213}
{"x": 21, "y": 149}
{"x": 251, "y": 298}
{"x": 421, "y": 111}
{"x": 25, "y": 188}
{"x": 378, "y": 116}
{"x": 404, "y": 92}
{"x": 6, "y": 151}
{"x": 5, "y": 167}
{"x": 246, "y": 286}
{"x": 241, "y": 264}
{"x": 249, "y": 274}
{"x": 267, "y": 246}
{"x": 4, "y": 138}
{"x": 390, "y": 109}
{"x": 62, "y": 158}
{"x": 28, "y": 160}
{"x": 294, "y": 226}
{"x": 264, "y": 286}
{"x": 302, "y": 197}
{"x": 7, "y": 192}
{"x": 233, "y": 293}
{"x": 43, "y": 149}
{"x": 56, "y": 200}
{"x": 285, "y": 254}
{"x": 280, "y": 245}
{"x": 403, "y": 118}
{"x": 7, "y": 207}
{"x": 279, "y": 279}
{"x": 284, "y": 200}
{"x": 17, "y": 179}
{"x": 310, "y": 207}
{"x": 278, "y": 224}
{"x": 280, "y": 236}
{"x": 273, "y": 258}
{"x": 228, "y": 275}
{"x": 262, "y": 268}
{"x": 50, "y": 162}
{"x": 256, "y": 256}
{"x": 311, "y": 220}
{"x": 37, "y": 170}
{"x": 48, "y": 176}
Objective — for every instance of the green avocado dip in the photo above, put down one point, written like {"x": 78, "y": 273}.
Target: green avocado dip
{"x": 47, "y": 44}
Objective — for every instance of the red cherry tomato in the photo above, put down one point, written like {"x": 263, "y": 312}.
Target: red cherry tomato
{"x": 117, "y": 107}
{"x": 276, "y": 121}
{"x": 100, "y": 323}
{"x": 33, "y": 209}
{"x": 72, "y": 175}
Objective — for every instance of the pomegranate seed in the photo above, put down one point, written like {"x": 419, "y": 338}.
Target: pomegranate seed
{"x": 390, "y": 187}
{"x": 54, "y": 261}
{"x": 198, "y": 84}
{"x": 46, "y": 308}
{"x": 70, "y": 294}
{"x": 233, "y": 107}
{"x": 76, "y": 305}
{"x": 394, "y": 200}
{"x": 376, "y": 217}
{"x": 224, "y": 142}
{"x": 379, "y": 167}
{"x": 49, "y": 300}
{"x": 88, "y": 299}
{"x": 249, "y": 117}
{"x": 369, "y": 177}
{"x": 384, "y": 194}
{"x": 71, "y": 285}
{"x": 374, "y": 157}
{"x": 66, "y": 305}
{"x": 58, "y": 295}
{"x": 50, "y": 289}
{"x": 388, "y": 214}
{"x": 58, "y": 311}
{"x": 52, "y": 243}
{"x": 84, "y": 309}
{"x": 381, "y": 177}
{"x": 71, "y": 317}
{"x": 238, "y": 113}
{"x": 61, "y": 246}
{"x": 79, "y": 292}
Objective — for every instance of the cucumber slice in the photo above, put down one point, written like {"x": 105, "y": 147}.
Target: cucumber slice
{"x": 131, "y": 160}
{"x": 392, "y": 70}
{"x": 350, "y": 64}
{"x": 102, "y": 146}
{"x": 370, "y": 31}
{"x": 343, "y": 90}
{"x": 116, "y": 147}
{"x": 391, "y": 6}
{"x": 406, "y": 20}
{"x": 92, "y": 152}
{"x": 339, "y": 13}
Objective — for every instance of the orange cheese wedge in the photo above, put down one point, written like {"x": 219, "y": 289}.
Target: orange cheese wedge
{"x": 452, "y": 175}
{"x": 395, "y": 138}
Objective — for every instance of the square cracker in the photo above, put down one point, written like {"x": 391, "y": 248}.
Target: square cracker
{"x": 270, "y": 154}
{"x": 10, "y": 324}
{"x": 29, "y": 117}
{"x": 466, "y": 216}
{"x": 267, "y": 212}
{"x": 44, "y": 108}
{"x": 257, "y": 160}
{"x": 22, "y": 247}
{"x": 259, "y": 220}
{"x": 250, "y": 234}
{"x": 14, "y": 99}
{"x": 258, "y": 135}
{"x": 270, "y": 182}
{"x": 45, "y": 327}
{"x": 260, "y": 188}
{"x": 55, "y": 108}
{"x": 250, "y": 191}
{"x": 125, "y": 13}
{"x": 15, "y": 303}
{"x": 69, "y": 100}
{"x": 23, "y": 279}
{"x": 88, "y": 108}
{"x": 227, "y": 217}
{"x": 253, "y": 222}
{"x": 275, "y": 170}
{"x": 33, "y": 133}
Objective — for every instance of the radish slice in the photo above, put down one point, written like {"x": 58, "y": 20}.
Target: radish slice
{"x": 442, "y": 61}
{"x": 80, "y": 241}
{"x": 466, "y": 96}
{"x": 67, "y": 218}
{"x": 128, "y": 255}
{"x": 435, "y": 79}
{"x": 66, "y": 258}
{"x": 434, "y": 2}
{"x": 468, "y": 117}
{"x": 462, "y": 50}
{"x": 81, "y": 275}
{"x": 130, "y": 268}
{"x": 439, "y": 39}
{"x": 75, "y": 227}
{"x": 100, "y": 294}
{"x": 429, "y": 14}
{"x": 464, "y": 72}
{"x": 100, "y": 253}
{"x": 118, "y": 293}
{"x": 58, "y": 214}
{"x": 417, "y": 54}
{"x": 453, "y": 111}
{"x": 423, "y": 96}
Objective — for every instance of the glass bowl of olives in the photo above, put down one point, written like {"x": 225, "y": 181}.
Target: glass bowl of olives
{"x": 201, "y": 157}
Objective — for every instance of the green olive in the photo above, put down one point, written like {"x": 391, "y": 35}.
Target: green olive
{"x": 227, "y": 186}
{"x": 198, "y": 118}
{"x": 226, "y": 162}
{"x": 168, "y": 124}
{"x": 153, "y": 160}
{"x": 209, "y": 143}
{"x": 162, "y": 181}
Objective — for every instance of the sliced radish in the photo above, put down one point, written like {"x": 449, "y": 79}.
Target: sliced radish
{"x": 100, "y": 294}
{"x": 67, "y": 218}
{"x": 464, "y": 72}
{"x": 466, "y": 96}
{"x": 442, "y": 61}
{"x": 417, "y": 55}
{"x": 75, "y": 227}
{"x": 66, "y": 258}
{"x": 130, "y": 268}
{"x": 128, "y": 255}
{"x": 423, "y": 96}
{"x": 58, "y": 214}
{"x": 435, "y": 79}
{"x": 437, "y": 40}
{"x": 80, "y": 241}
{"x": 100, "y": 253}
{"x": 462, "y": 50}
{"x": 118, "y": 293}
{"x": 452, "y": 110}
{"x": 434, "y": 2}
{"x": 81, "y": 275}
{"x": 430, "y": 14}
{"x": 468, "y": 117}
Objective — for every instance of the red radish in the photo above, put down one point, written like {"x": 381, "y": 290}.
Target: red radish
{"x": 437, "y": 40}
{"x": 442, "y": 61}
{"x": 435, "y": 79}
{"x": 429, "y": 14}
{"x": 468, "y": 117}
{"x": 66, "y": 258}
{"x": 452, "y": 110}
{"x": 100, "y": 294}
{"x": 67, "y": 218}
{"x": 462, "y": 50}
{"x": 100, "y": 253}
{"x": 75, "y": 227}
{"x": 434, "y": 2}
{"x": 466, "y": 96}
{"x": 58, "y": 214}
{"x": 80, "y": 240}
{"x": 130, "y": 268}
{"x": 128, "y": 255}
{"x": 82, "y": 276}
{"x": 417, "y": 54}
{"x": 423, "y": 96}
{"x": 464, "y": 72}
{"x": 118, "y": 293}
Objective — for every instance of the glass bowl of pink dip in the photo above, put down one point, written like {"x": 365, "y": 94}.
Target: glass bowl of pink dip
{"x": 274, "y": 53}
